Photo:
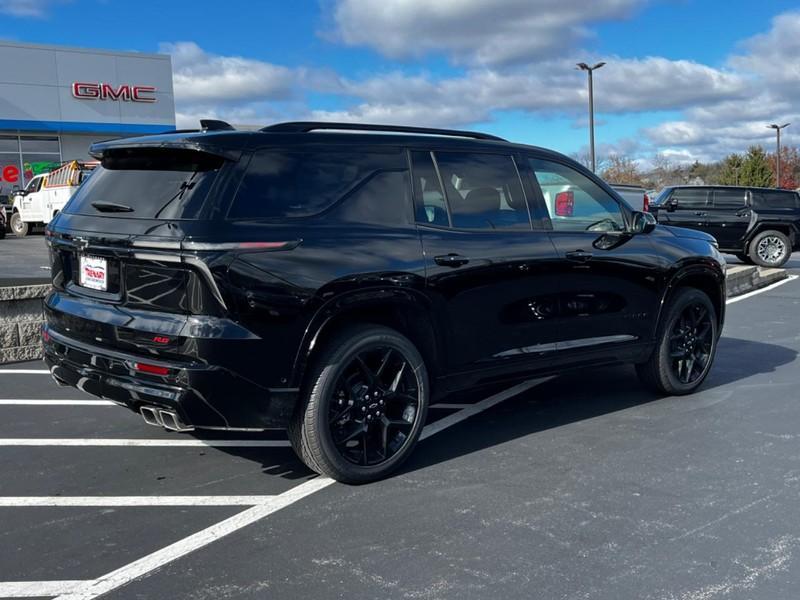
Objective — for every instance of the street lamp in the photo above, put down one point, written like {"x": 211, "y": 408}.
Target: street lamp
{"x": 777, "y": 129}
{"x": 589, "y": 70}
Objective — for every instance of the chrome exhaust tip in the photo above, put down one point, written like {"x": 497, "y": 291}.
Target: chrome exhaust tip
{"x": 151, "y": 416}
{"x": 170, "y": 420}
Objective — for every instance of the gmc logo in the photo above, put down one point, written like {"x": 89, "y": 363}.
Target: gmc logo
{"x": 106, "y": 91}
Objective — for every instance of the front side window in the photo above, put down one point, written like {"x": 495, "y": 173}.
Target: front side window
{"x": 483, "y": 191}
{"x": 34, "y": 185}
{"x": 575, "y": 202}
{"x": 690, "y": 198}
{"x": 285, "y": 184}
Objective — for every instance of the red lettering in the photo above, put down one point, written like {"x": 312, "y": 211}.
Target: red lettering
{"x": 10, "y": 174}
{"x": 144, "y": 93}
{"x": 107, "y": 92}
{"x": 85, "y": 90}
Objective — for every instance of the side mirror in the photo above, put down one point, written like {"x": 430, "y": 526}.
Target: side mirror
{"x": 643, "y": 222}
{"x": 672, "y": 205}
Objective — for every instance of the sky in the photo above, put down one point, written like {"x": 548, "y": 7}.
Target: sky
{"x": 686, "y": 79}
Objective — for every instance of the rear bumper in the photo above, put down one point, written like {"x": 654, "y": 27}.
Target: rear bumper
{"x": 203, "y": 396}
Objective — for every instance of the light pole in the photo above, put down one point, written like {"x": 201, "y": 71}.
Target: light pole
{"x": 777, "y": 129}
{"x": 589, "y": 70}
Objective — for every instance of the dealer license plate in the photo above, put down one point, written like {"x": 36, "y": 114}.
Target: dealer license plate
{"x": 93, "y": 272}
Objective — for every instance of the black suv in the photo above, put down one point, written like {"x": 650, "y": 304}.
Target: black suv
{"x": 335, "y": 279}
{"x": 759, "y": 225}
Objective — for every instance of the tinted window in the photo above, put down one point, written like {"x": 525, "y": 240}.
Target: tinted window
{"x": 776, "y": 199}
{"x": 483, "y": 191}
{"x": 575, "y": 202}
{"x": 382, "y": 197}
{"x": 167, "y": 184}
{"x": 431, "y": 208}
{"x": 280, "y": 184}
{"x": 690, "y": 197}
{"x": 733, "y": 198}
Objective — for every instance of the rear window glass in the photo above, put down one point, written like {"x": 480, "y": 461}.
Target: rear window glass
{"x": 281, "y": 184}
{"x": 154, "y": 184}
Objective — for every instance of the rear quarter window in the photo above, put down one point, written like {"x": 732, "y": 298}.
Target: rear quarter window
{"x": 281, "y": 184}
{"x": 776, "y": 199}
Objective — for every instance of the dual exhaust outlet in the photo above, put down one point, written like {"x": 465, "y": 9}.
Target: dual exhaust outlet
{"x": 167, "y": 419}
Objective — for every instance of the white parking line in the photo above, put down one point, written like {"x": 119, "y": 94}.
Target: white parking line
{"x": 762, "y": 290}
{"x": 156, "y": 560}
{"x": 185, "y": 443}
{"x": 448, "y": 405}
{"x": 26, "y": 371}
{"x": 28, "y": 501}
{"x": 28, "y": 589}
{"x": 22, "y": 402}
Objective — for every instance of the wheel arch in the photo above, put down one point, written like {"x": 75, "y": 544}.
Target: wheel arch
{"x": 703, "y": 277}
{"x": 782, "y": 227}
{"x": 405, "y": 310}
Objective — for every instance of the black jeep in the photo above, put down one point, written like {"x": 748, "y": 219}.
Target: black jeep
{"x": 759, "y": 225}
{"x": 336, "y": 279}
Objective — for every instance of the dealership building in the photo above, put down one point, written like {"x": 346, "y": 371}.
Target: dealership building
{"x": 56, "y": 101}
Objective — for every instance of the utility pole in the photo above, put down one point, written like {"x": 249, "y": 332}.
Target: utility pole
{"x": 777, "y": 129}
{"x": 590, "y": 70}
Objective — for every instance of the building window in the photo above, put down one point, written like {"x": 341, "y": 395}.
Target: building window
{"x": 31, "y": 155}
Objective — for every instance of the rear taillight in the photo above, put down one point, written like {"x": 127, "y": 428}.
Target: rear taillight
{"x": 646, "y": 205}
{"x": 152, "y": 369}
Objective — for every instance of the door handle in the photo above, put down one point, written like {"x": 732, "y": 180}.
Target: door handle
{"x": 701, "y": 214}
{"x": 743, "y": 213}
{"x": 579, "y": 256}
{"x": 451, "y": 260}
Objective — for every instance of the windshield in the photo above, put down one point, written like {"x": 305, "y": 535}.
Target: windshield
{"x": 148, "y": 184}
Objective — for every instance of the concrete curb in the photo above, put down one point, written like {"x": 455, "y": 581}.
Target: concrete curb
{"x": 21, "y": 309}
{"x": 741, "y": 279}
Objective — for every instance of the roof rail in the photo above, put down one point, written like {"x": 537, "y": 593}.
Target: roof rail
{"x": 215, "y": 125}
{"x": 306, "y": 126}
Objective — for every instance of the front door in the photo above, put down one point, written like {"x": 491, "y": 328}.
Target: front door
{"x": 686, "y": 207}
{"x": 608, "y": 278}
{"x": 487, "y": 270}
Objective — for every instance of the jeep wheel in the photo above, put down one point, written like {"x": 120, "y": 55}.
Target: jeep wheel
{"x": 770, "y": 249}
{"x": 18, "y": 226}
{"x": 364, "y": 406}
{"x": 685, "y": 346}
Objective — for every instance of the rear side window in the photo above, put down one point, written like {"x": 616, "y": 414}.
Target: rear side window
{"x": 776, "y": 199}
{"x": 690, "y": 197}
{"x": 152, "y": 184}
{"x": 431, "y": 207}
{"x": 483, "y": 191}
{"x": 732, "y": 198}
{"x": 285, "y": 184}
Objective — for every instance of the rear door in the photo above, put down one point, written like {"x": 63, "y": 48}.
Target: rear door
{"x": 607, "y": 279}
{"x": 487, "y": 269}
{"x": 729, "y": 217}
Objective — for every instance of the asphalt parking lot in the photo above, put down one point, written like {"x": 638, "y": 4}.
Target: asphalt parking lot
{"x": 577, "y": 487}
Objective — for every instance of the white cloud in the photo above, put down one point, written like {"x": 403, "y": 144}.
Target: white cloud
{"x": 27, "y": 8}
{"x": 773, "y": 56}
{"x": 473, "y": 31}
{"x": 199, "y": 76}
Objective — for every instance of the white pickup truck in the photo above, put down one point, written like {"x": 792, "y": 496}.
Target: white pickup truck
{"x": 46, "y": 194}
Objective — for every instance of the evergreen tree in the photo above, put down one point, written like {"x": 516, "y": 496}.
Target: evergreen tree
{"x": 756, "y": 170}
{"x": 731, "y": 170}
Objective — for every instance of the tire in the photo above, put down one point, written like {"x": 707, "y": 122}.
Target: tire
{"x": 770, "y": 249}
{"x": 18, "y": 226}
{"x": 663, "y": 371}
{"x": 333, "y": 405}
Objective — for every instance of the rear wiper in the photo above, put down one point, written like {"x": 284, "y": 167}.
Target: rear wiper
{"x": 111, "y": 207}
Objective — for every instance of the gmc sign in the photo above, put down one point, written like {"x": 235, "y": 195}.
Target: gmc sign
{"x": 106, "y": 91}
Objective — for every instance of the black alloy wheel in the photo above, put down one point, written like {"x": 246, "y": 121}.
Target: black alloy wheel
{"x": 686, "y": 342}
{"x": 691, "y": 342}
{"x": 364, "y": 405}
{"x": 375, "y": 405}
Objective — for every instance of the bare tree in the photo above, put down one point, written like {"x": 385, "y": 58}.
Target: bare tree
{"x": 622, "y": 169}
